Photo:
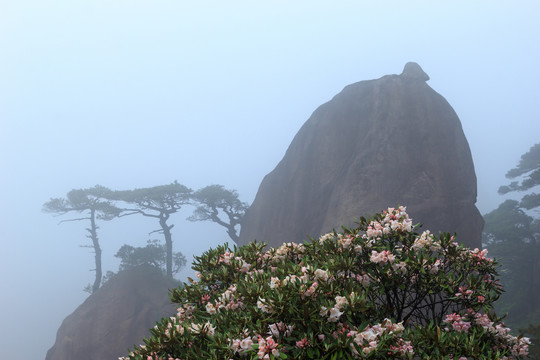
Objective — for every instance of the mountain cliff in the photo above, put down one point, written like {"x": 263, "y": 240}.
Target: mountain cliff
{"x": 116, "y": 317}
{"x": 378, "y": 143}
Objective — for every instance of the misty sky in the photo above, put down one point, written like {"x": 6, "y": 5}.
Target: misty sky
{"x": 132, "y": 94}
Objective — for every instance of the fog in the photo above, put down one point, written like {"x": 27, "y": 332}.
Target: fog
{"x": 130, "y": 94}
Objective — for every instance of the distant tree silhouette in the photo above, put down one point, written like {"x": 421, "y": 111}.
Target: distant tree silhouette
{"x": 220, "y": 205}
{"x": 152, "y": 254}
{"x": 512, "y": 232}
{"x": 93, "y": 203}
{"x": 529, "y": 171}
{"x": 158, "y": 202}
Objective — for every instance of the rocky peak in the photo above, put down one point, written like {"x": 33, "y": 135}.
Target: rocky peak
{"x": 378, "y": 143}
{"x": 413, "y": 71}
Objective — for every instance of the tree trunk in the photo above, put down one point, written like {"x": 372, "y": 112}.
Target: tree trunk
{"x": 168, "y": 241}
{"x": 232, "y": 233}
{"x": 97, "y": 250}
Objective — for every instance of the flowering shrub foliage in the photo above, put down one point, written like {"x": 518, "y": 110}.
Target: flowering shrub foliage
{"x": 379, "y": 291}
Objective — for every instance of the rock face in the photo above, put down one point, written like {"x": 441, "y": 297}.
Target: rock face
{"x": 114, "y": 318}
{"x": 377, "y": 144}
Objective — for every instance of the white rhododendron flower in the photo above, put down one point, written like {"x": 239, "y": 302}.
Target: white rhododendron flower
{"x": 326, "y": 237}
{"x": 334, "y": 314}
{"x": 210, "y": 308}
{"x": 274, "y": 282}
{"x": 341, "y": 301}
{"x": 261, "y": 304}
{"x": 321, "y": 274}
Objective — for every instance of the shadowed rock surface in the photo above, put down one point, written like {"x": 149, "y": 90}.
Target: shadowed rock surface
{"x": 378, "y": 143}
{"x": 116, "y": 317}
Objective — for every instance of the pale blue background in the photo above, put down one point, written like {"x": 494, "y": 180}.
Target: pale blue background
{"x": 139, "y": 93}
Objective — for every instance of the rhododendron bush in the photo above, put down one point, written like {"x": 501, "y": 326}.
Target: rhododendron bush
{"x": 379, "y": 291}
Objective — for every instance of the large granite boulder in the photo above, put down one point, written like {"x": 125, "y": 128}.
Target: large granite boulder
{"x": 378, "y": 143}
{"x": 116, "y": 317}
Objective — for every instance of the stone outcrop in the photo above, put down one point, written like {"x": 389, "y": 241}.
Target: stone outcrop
{"x": 116, "y": 317}
{"x": 378, "y": 143}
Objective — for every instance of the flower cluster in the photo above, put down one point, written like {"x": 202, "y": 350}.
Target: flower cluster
{"x": 334, "y": 313}
{"x": 267, "y": 346}
{"x": 500, "y": 334}
{"x": 426, "y": 241}
{"x": 457, "y": 323}
{"x": 287, "y": 249}
{"x": 380, "y": 290}
{"x": 227, "y": 301}
{"x": 368, "y": 339}
{"x": 264, "y": 306}
{"x": 242, "y": 346}
{"x": 384, "y": 256}
{"x": 394, "y": 220}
